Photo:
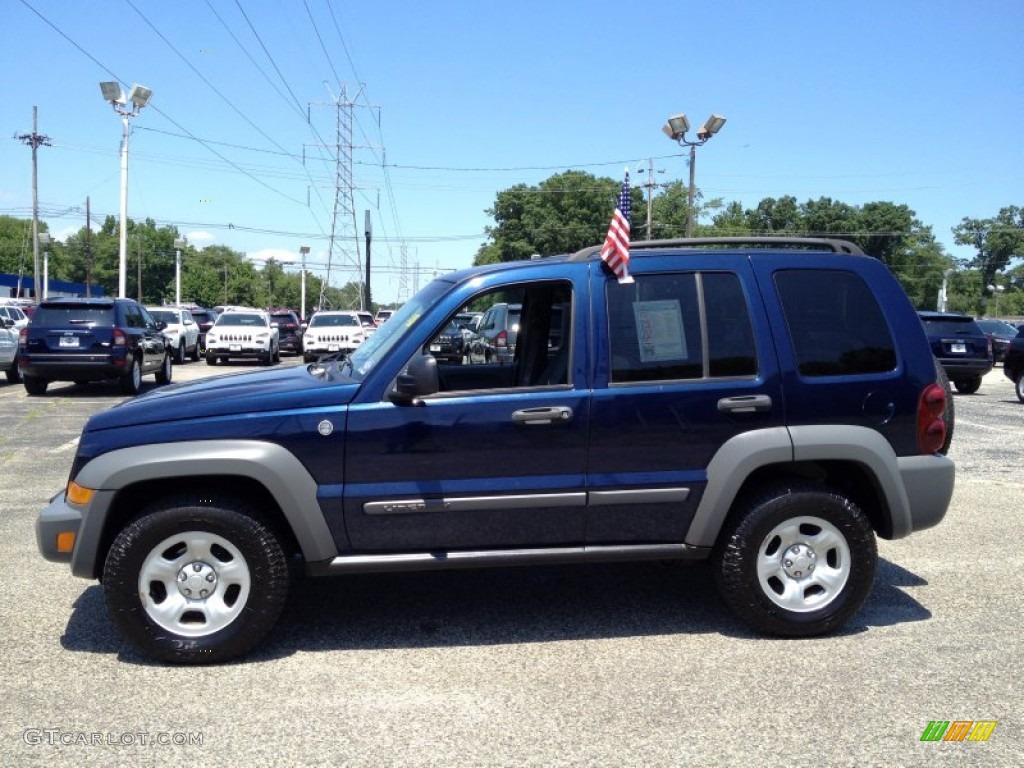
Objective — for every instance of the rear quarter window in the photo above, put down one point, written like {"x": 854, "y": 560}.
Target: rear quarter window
{"x": 835, "y": 323}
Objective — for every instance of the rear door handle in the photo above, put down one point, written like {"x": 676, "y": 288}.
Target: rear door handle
{"x": 558, "y": 414}
{"x": 745, "y": 404}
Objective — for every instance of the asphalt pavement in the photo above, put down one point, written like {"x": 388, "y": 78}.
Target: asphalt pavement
{"x": 633, "y": 664}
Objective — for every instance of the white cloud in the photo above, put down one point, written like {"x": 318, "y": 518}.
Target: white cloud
{"x": 199, "y": 236}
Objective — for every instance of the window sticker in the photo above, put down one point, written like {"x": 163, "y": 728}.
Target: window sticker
{"x": 659, "y": 330}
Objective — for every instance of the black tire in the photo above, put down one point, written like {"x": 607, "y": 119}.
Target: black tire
{"x": 211, "y": 359}
{"x": 1019, "y": 386}
{"x": 167, "y": 543}
{"x": 196, "y": 353}
{"x": 35, "y": 385}
{"x": 166, "y": 372}
{"x": 179, "y": 353}
{"x": 968, "y": 386}
{"x": 267, "y": 358}
{"x": 816, "y": 527}
{"x": 131, "y": 382}
{"x": 277, "y": 355}
{"x": 14, "y": 372}
{"x": 949, "y": 417}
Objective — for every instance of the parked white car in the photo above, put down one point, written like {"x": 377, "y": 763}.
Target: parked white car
{"x": 182, "y": 332}
{"x": 331, "y": 333}
{"x": 9, "y": 350}
{"x": 240, "y": 333}
{"x": 15, "y": 315}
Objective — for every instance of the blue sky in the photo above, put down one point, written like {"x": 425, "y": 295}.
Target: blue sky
{"x": 915, "y": 102}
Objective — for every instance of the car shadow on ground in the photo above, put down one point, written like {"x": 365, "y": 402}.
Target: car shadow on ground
{"x": 93, "y": 390}
{"x": 500, "y": 606}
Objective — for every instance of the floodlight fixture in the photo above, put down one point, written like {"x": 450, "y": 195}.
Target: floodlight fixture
{"x": 677, "y": 125}
{"x": 112, "y": 92}
{"x": 711, "y": 126}
{"x": 140, "y": 95}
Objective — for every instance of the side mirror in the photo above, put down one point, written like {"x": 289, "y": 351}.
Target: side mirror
{"x": 419, "y": 379}
{"x": 6, "y": 322}
{"x": 160, "y": 325}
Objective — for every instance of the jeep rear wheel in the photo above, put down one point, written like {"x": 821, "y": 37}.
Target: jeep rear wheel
{"x": 131, "y": 382}
{"x": 166, "y": 371}
{"x": 35, "y": 385}
{"x": 179, "y": 354}
{"x": 1019, "y": 386}
{"x": 195, "y": 583}
{"x": 796, "y": 560}
{"x": 968, "y": 386}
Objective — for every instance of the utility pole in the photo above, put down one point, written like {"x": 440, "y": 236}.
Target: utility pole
{"x": 138, "y": 262}
{"x": 35, "y": 140}
{"x": 369, "y": 236}
{"x": 650, "y": 185}
{"x": 88, "y": 251}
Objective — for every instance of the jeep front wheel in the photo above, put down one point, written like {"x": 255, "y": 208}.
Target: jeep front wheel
{"x": 1019, "y": 386}
{"x": 796, "y": 561}
{"x": 195, "y": 583}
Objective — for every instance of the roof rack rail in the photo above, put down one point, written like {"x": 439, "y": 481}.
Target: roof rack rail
{"x": 835, "y": 245}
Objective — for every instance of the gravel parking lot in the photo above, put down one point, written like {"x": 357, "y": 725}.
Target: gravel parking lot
{"x": 631, "y": 664}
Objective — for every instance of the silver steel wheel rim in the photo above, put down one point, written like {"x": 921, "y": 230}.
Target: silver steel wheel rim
{"x": 803, "y": 564}
{"x": 1020, "y": 386}
{"x": 194, "y": 583}
{"x": 136, "y": 374}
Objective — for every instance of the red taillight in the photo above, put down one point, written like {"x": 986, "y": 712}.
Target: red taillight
{"x": 501, "y": 340}
{"x": 931, "y": 429}
{"x": 120, "y": 339}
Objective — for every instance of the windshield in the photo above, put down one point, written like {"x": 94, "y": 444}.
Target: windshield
{"x": 171, "y": 318}
{"x": 390, "y": 333}
{"x": 333, "y": 321}
{"x": 240, "y": 318}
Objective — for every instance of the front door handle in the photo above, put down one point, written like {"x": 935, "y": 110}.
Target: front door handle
{"x": 558, "y": 414}
{"x": 745, "y": 404}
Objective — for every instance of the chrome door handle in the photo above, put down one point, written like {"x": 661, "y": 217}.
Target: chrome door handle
{"x": 558, "y": 414}
{"x": 745, "y": 404}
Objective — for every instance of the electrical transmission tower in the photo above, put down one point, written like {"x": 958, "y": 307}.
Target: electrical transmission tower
{"x": 344, "y": 257}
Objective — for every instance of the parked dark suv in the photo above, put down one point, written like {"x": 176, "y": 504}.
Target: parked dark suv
{"x": 769, "y": 406}
{"x": 960, "y": 346}
{"x": 205, "y": 318}
{"x": 84, "y": 340}
{"x": 289, "y": 329}
{"x": 1013, "y": 363}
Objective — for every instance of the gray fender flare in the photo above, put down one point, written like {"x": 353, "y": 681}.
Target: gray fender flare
{"x": 740, "y": 456}
{"x": 268, "y": 464}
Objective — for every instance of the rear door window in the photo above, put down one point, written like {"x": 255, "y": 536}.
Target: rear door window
{"x": 835, "y": 323}
{"x": 678, "y": 326}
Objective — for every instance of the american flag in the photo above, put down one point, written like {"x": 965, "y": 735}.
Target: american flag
{"x": 615, "y": 251}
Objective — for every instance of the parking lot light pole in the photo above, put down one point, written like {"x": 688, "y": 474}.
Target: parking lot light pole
{"x": 676, "y": 129}
{"x": 178, "y": 245}
{"x": 44, "y": 240}
{"x": 139, "y": 97}
{"x": 303, "y": 250}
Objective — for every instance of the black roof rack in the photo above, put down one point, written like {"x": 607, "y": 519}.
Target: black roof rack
{"x": 834, "y": 245}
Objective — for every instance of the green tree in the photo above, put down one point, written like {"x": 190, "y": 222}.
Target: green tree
{"x": 562, "y": 214}
{"x": 997, "y": 240}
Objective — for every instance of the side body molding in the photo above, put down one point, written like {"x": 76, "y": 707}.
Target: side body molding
{"x": 268, "y": 464}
